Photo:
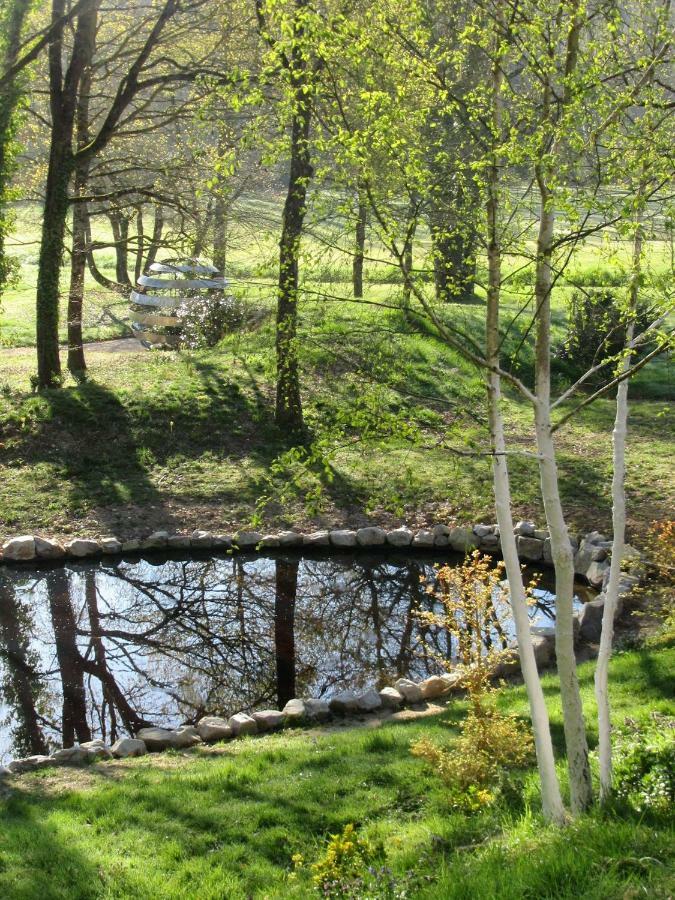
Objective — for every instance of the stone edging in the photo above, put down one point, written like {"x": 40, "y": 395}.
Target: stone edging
{"x": 590, "y": 559}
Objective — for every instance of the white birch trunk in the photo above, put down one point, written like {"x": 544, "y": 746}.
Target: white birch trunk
{"x": 618, "y": 543}
{"x": 581, "y": 791}
{"x": 551, "y": 799}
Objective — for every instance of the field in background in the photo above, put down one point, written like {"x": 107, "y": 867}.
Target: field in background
{"x": 185, "y": 440}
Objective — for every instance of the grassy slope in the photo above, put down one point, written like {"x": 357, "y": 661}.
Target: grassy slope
{"x": 225, "y": 823}
{"x": 177, "y": 441}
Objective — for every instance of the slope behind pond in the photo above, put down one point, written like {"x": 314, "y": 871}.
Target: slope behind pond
{"x": 226, "y": 822}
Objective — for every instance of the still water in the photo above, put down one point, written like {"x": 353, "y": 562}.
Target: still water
{"x": 100, "y": 649}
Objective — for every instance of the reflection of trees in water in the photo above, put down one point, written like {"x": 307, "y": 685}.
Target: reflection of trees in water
{"x": 134, "y": 643}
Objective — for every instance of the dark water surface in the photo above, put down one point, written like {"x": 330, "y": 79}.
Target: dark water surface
{"x": 99, "y": 649}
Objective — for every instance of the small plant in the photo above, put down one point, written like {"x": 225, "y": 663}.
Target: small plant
{"x": 340, "y": 872}
{"x": 644, "y": 771}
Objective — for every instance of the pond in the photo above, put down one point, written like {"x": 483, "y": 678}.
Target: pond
{"x": 99, "y": 649}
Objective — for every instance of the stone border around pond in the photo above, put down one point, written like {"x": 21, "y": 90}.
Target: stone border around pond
{"x": 590, "y": 561}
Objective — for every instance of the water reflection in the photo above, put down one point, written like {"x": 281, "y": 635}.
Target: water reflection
{"x": 103, "y": 649}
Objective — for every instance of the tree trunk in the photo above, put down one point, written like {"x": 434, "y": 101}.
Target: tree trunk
{"x": 454, "y": 257}
{"x": 22, "y": 685}
{"x": 619, "y": 534}
{"x": 581, "y": 791}
{"x": 120, "y": 229}
{"x": 140, "y": 244}
{"x": 360, "y": 245}
{"x": 411, "y": 228}
{"x": 220, "y": 234}
{"x": 74, "y": 717}
{"x": 156, "y": 239}
{"x": 284, "y": 628}
{"x": 551, "y": 800}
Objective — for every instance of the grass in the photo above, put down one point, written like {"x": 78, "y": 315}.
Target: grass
{"x": 181, "y": 440}
{"x": 225, "y": 822}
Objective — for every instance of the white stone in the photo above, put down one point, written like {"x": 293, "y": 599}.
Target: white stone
{"x": 289, "y": 538}
{"x": 201, "y": 539}
{"x": 19, "y": 548}
{"x": 126, "y": 748}
{"x": 317, "y": 709}
{"x": 222, "y": 541}
{"x": 111, "y": 546}
{"x": 453, "y": 681}
{"x": 595, "y": 573}
{"x": 371, "y": 536}
{"x": 164, "y": 738}
{"x": 391, "y": 698}
{"x": 213, "y": 728}
{"x": 156, "y": 541}
{"x": 482, "y": 531}
{"x": 370, "y": 701}
{"x": 410, "y": 691}
{"x": 247, "y": 540}
{"x": 345, "y": 702}
{"x": 316, "y": 539}
{"x": 268, "y": 719}
{"x": 343, "y": 537}
{"x": 526, "y": 529}
{"x": 83, "y": 547}
{"x": 423, "y": 538}
{"x": 73, "y": 756}
{"x": 130, "y": 546}
{"x": 433, "y": 687}
{"x": 462, "y": 540}
{"x": 441, "y": 535}
{"x": 241, "y": 724}
{"x": 400, "y": 537}
{"x": 45, "y": 548}
{"x": 178, "y": 541}
{"x": 529, "y": 548}
{"x": 98, "y": 749}
{"x": 269, "y": 540}
{"x": 294, "y": 711}
{"x": 29, "y": 764}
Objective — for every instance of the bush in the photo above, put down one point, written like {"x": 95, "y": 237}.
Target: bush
{"x": 644, "y": 771}
{"x": 205, "y": 319}
{"x": 596, "y": 330}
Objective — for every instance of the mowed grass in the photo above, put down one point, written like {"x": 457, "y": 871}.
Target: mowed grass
{"x": 185, "y": 440}
{"x": 225, "y": 822}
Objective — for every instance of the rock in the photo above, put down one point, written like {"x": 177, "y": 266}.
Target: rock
{"x": 344, "y": 703}
{"x": 544, "y": 650}
{"x": 410, "y": 691}
{"x": 547, "y": 555}
{"x": 45, "y": 548}
{"x": 213, "y": 728}
{"x": 269, "y": 540}
{"x": 82, "y": 547}
{"x": 73, "y": 756}
{"x": 19, "y": 548}
{"x": 201, "y": 539}
{"x": 157, "y": 739}
{"x": 508, "y": 664}
{"x": 453, "y": 681}
{"x": 178, "y": 541}
{"x": 590, "y": 620}
{"x": 246, "y": 540}
{"x": 441, "y": 535}
{"x": 317, "y": 709}
{"x": 156, "y": 541}
{"x": 370, "y": 701}
{"x": 489, "y": 542}
{"x": 268, "y": 719}
{"x": 595, "y": 537}
{"x": 131, "y": 546}
{"x": 462, "y": 540}
{"x": 241, "y": 724}
{"x": 294, "y": 711}
{"x": 371, "y": 537}
{"x": 316, "y": 539}
{"x": 423, "y": 538}
{"x": 433, "y": 687}
{"x": 400, "y": 537}
{"x": 343, "y": 537}
{"x": 289, "y": 539}
{"x": 541, "y": 533}
{"x": 111, "y": 546}
{"x": 29, "y": 764}
{"x": 391, "y": 698}
{"x": 125, "y": 748}
{"x": 529, "y": 548}
{"x": 482, "y": 531}
{"x": 98, "y": 749}
{"x": 595, "y": 573}
{"x": 4, "y": 771}
{"x": 526, "y": 529}
{"x": 222, "y": 541}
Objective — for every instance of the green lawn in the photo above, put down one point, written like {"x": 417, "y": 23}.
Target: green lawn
{"x": 225, "y": 822}
{"x": 180, "y": 440}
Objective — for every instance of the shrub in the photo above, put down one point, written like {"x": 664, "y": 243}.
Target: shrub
{"x": 596, "y": 330}
{"x": 340, "y": 871}
{"x": 205, "y": 319}
{"x": 644, "y": 770}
